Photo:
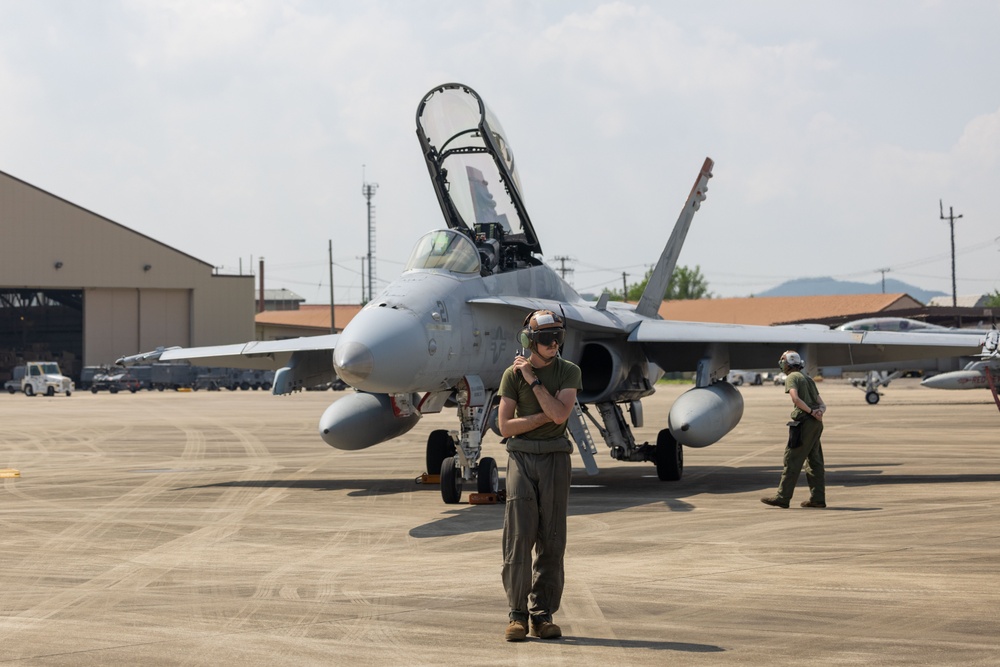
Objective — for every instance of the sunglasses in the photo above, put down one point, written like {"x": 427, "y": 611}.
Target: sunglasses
{"x": 546, "y": 338}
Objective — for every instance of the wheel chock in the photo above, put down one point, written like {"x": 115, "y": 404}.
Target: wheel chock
{"x": 426, "y": 478}
{"x": 487, "y": 498}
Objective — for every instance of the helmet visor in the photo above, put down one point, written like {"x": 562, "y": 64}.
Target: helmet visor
{"x": 546, "y": 338}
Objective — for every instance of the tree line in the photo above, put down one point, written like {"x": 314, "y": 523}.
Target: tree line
{"x": 685, "y": 283}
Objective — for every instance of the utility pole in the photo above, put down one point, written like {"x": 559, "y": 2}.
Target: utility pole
{"x": 260, "y": 306}
{"x": 951, "y": 221}
{"x": 363, "y": 300}
{"x": 562, "y": 265}
{"x": 624, "y": 287}
{"x": 333, "y": 317}
{"x": 368, "y": 190}
{"x": 883, "y": 272}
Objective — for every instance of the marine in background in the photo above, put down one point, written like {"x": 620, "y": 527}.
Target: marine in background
{"x": 804, "y": 431}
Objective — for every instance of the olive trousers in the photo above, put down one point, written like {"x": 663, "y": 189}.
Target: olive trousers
{"x": 810, "y": 455}
{"x": 535, "y": 518}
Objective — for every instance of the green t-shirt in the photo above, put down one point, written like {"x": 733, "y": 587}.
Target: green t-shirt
{"x": 561, "y": 374}
{"x": 806, "y": 389}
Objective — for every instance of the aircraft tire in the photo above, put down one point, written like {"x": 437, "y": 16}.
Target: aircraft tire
{"x": 872, "y": 397}
{"x": 451, "y": 482}
{"x": 487, "y": 476}
{"x": 440, "y": 446}
{"x": 669, "y": 457}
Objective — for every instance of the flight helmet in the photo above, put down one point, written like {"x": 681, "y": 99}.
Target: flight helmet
{"x": 789, "y": 360}
{"x": 542, "y": 327}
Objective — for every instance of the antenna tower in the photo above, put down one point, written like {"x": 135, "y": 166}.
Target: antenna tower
{"x": 368, "y": 190}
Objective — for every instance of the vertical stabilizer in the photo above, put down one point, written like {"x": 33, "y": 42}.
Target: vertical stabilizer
{"x": 652, "y": 296}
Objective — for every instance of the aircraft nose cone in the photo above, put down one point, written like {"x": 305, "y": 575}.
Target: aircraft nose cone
{"x": 383, "y": 350}
{"x": 354, "y": 362}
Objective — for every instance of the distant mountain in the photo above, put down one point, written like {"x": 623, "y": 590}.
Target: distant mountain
{"x": 829, "y": 286}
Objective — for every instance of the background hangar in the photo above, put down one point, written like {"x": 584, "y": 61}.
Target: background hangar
{"x": 83, "y": 290}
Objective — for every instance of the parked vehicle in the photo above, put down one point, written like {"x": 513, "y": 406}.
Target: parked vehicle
{"x": 114, "y": 382}
{"x": 45, "y": 378}
{"x": 255, "y": 379}
{"x": 13, "y": 385}
{"x": 213, "y": 379}
{"x": 172, "y": 376}
{"x": 738, "y": 378}
{"x": 87, "y": 376}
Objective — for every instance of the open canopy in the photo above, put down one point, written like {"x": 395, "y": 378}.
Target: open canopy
{"x": 472, "y": 167}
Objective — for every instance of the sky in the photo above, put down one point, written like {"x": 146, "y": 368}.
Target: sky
{"x": 236, "y": 130}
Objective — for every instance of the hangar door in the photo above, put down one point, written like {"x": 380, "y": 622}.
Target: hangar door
{"x": 127, "y": 321}
{"x": 40, "y": 325}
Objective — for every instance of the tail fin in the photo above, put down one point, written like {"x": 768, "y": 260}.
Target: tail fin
{"x": 656, "y": 287}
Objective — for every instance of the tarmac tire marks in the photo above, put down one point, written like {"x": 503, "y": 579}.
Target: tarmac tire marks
{"x": 192, "y": 538}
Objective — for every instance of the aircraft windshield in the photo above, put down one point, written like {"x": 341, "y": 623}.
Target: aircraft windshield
{"x": 445, "y": 249}
{"x": 463, "y": 142}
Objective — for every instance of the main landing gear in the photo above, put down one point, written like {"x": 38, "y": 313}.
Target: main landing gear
{"x": 458, "y": 459}
{"x": 871, "y": 383}
{"x": 669, "y": 457}
{"x": 442, "y": 455}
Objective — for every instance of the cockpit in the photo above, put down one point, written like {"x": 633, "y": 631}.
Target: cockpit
{"x": 445, "y": 249}
{"x": 889, "y": 324}
{"x": 453, "y": 250}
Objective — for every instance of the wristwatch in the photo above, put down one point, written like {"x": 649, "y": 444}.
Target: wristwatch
{"x": 535, "y": 383}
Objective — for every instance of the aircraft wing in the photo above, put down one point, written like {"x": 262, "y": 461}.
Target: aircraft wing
{"x": 299, "y": 362}
{"x": 579, "y": 316}
{"x": 679, "y": 345}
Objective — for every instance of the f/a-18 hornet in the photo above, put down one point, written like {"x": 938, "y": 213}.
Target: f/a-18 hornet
{"x": 445, "y": 330}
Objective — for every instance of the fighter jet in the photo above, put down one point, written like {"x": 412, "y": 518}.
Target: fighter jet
{"x": 441, "y": 335}
{"x": 880, "y": 375}
{"x": 975, "y": 375}
{"x": 983, "y": 373}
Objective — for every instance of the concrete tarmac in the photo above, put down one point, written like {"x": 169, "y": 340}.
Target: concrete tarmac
{"x": 217, "y": 528}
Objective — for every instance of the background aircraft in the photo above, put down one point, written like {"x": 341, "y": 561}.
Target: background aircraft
{"x": 443, "y": 333}
{"x": 880, "y": 375}
{"x": 975, "y": 375}
{"x": 982, "y": 374}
